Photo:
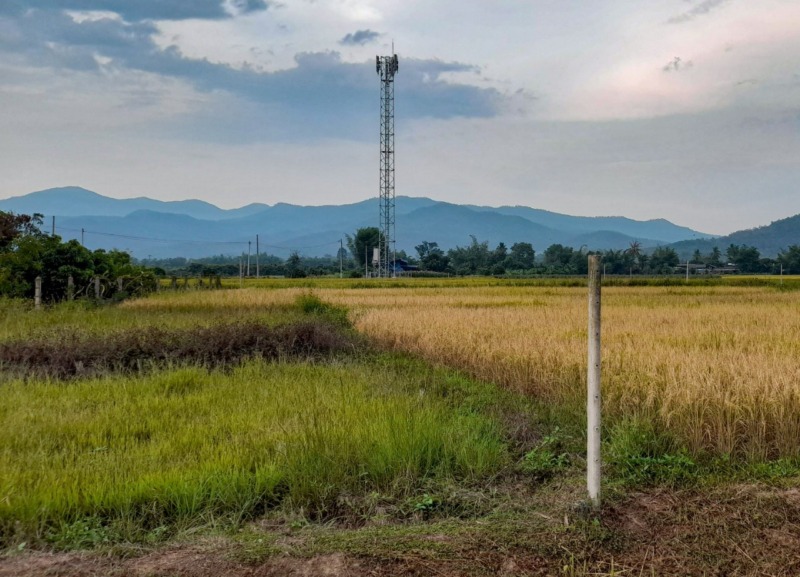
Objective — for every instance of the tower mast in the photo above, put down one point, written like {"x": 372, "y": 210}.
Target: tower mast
{"x": 386, "y": 67}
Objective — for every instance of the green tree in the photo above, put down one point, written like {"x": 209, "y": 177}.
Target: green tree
{"x": 294, "y": 266}
{"x": 362, "y": 243}
{"x": 663, "y": 260}
{"x": 472, "y": 259}
{"x": 28, "y": 253}
{"x": 617, "y": 261}
{"x": 558, "y": 255}
{"x": 13, "y": 226}
{"x": 790, "y": 259}
{"x": 522, "y": 256}
{"x": 425, "y": 248}
{"x": 746, "y": 258}
{"x": 715, "y": 258}
{"x": 431, "y": 257}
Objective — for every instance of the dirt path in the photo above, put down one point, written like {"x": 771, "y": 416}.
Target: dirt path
{"x": 739, "y": 530}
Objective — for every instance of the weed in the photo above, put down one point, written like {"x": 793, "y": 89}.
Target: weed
{"x": 547, "y": 458}
{"x": 311, "y": 304}
{"x": 642, "y": 455}
{"x": 80, "y": 534}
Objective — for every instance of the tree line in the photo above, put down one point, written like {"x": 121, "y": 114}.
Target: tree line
{"x": 27, "y": 253}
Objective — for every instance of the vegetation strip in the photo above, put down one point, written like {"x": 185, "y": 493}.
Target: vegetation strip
{"x": 71, "y": 354}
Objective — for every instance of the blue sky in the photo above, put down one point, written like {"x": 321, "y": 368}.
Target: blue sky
{"x": 686, "y": 110}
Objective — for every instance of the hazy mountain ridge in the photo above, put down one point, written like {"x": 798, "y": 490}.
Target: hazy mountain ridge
{"x": 769, "y": 239}
{"x": 660, "y": 228}
{"x": 195, "y": 228}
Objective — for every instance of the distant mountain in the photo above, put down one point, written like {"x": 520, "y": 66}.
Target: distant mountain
{"x": 660, "y": 228}
{"x": 768, "y": 239}
{"x": 194, "y": 228}
{"x": 77, "y": 201}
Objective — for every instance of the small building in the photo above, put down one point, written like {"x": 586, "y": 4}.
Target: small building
{"x": 701, "y": 269}
{"x": 400, "y": 266}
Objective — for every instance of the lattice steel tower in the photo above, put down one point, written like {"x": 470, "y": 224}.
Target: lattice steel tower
{"x": 386, "y": 67}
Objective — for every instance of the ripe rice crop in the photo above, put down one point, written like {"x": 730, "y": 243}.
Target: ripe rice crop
{"x": 714, "y": 367}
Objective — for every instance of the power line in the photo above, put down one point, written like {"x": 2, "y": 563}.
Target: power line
{"x": 194, "y": 241}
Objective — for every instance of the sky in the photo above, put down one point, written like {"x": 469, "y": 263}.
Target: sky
{"x": 687, "y": 110}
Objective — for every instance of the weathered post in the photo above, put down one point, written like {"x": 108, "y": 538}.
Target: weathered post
{"x": 119, "y": 283}
{"x": 37, "y": 295}
{"x": 97, "y": 287}
{"x": 174, "y": 282}
{"x": 593, "y": 421}
{"x": 70, "y": 288}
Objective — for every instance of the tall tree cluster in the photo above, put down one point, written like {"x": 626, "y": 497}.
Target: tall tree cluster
{"x": 26, "y": 253}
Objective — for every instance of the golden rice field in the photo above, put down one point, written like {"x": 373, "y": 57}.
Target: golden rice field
{"x": 715, "y": 367}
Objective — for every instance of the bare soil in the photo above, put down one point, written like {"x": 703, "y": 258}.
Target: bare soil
{"x": 736, "y": 530}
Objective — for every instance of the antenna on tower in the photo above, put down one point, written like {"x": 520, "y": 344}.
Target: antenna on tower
{"x": 387, "y": 67}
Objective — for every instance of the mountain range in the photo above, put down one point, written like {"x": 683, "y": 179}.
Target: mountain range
{"x": 769, "y": 239}
{"x": 193, "y": 228}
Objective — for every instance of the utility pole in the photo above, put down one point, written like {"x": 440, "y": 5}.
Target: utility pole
{"x": 82, "y": 243}
{"x": 593, "y": 404}
{"x": 341, "y": 258}
{"x": 258, "y": 268}
{"x": 366, "y": 261}
{"x": 248, "y": 258}
{"x": 54, "y": 226}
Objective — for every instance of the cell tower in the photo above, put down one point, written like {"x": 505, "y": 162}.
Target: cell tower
{"x": 387, "y": 66}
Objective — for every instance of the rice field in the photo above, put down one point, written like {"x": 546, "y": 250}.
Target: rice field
{"x": 707, "y": 371}
{"x": 713, "y": 368}
{"x": 188, "y": 446}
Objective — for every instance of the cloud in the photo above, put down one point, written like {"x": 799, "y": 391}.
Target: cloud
{"x": 139, "y": 10}
{"x": 700, "y": 10}
{"x": 321, "y": 95}
{"x": 360, "y": 37}
{"x": 677, "y": 64}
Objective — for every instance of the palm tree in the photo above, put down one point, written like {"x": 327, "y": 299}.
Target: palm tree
{"x": 635, "y": 251}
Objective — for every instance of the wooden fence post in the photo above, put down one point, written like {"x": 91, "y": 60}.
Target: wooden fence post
{"x": 593, "y": 404}
{"x": 70, "y": 288}
{"x": 37, "y": 295}
{"x": 97, "y": 287}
